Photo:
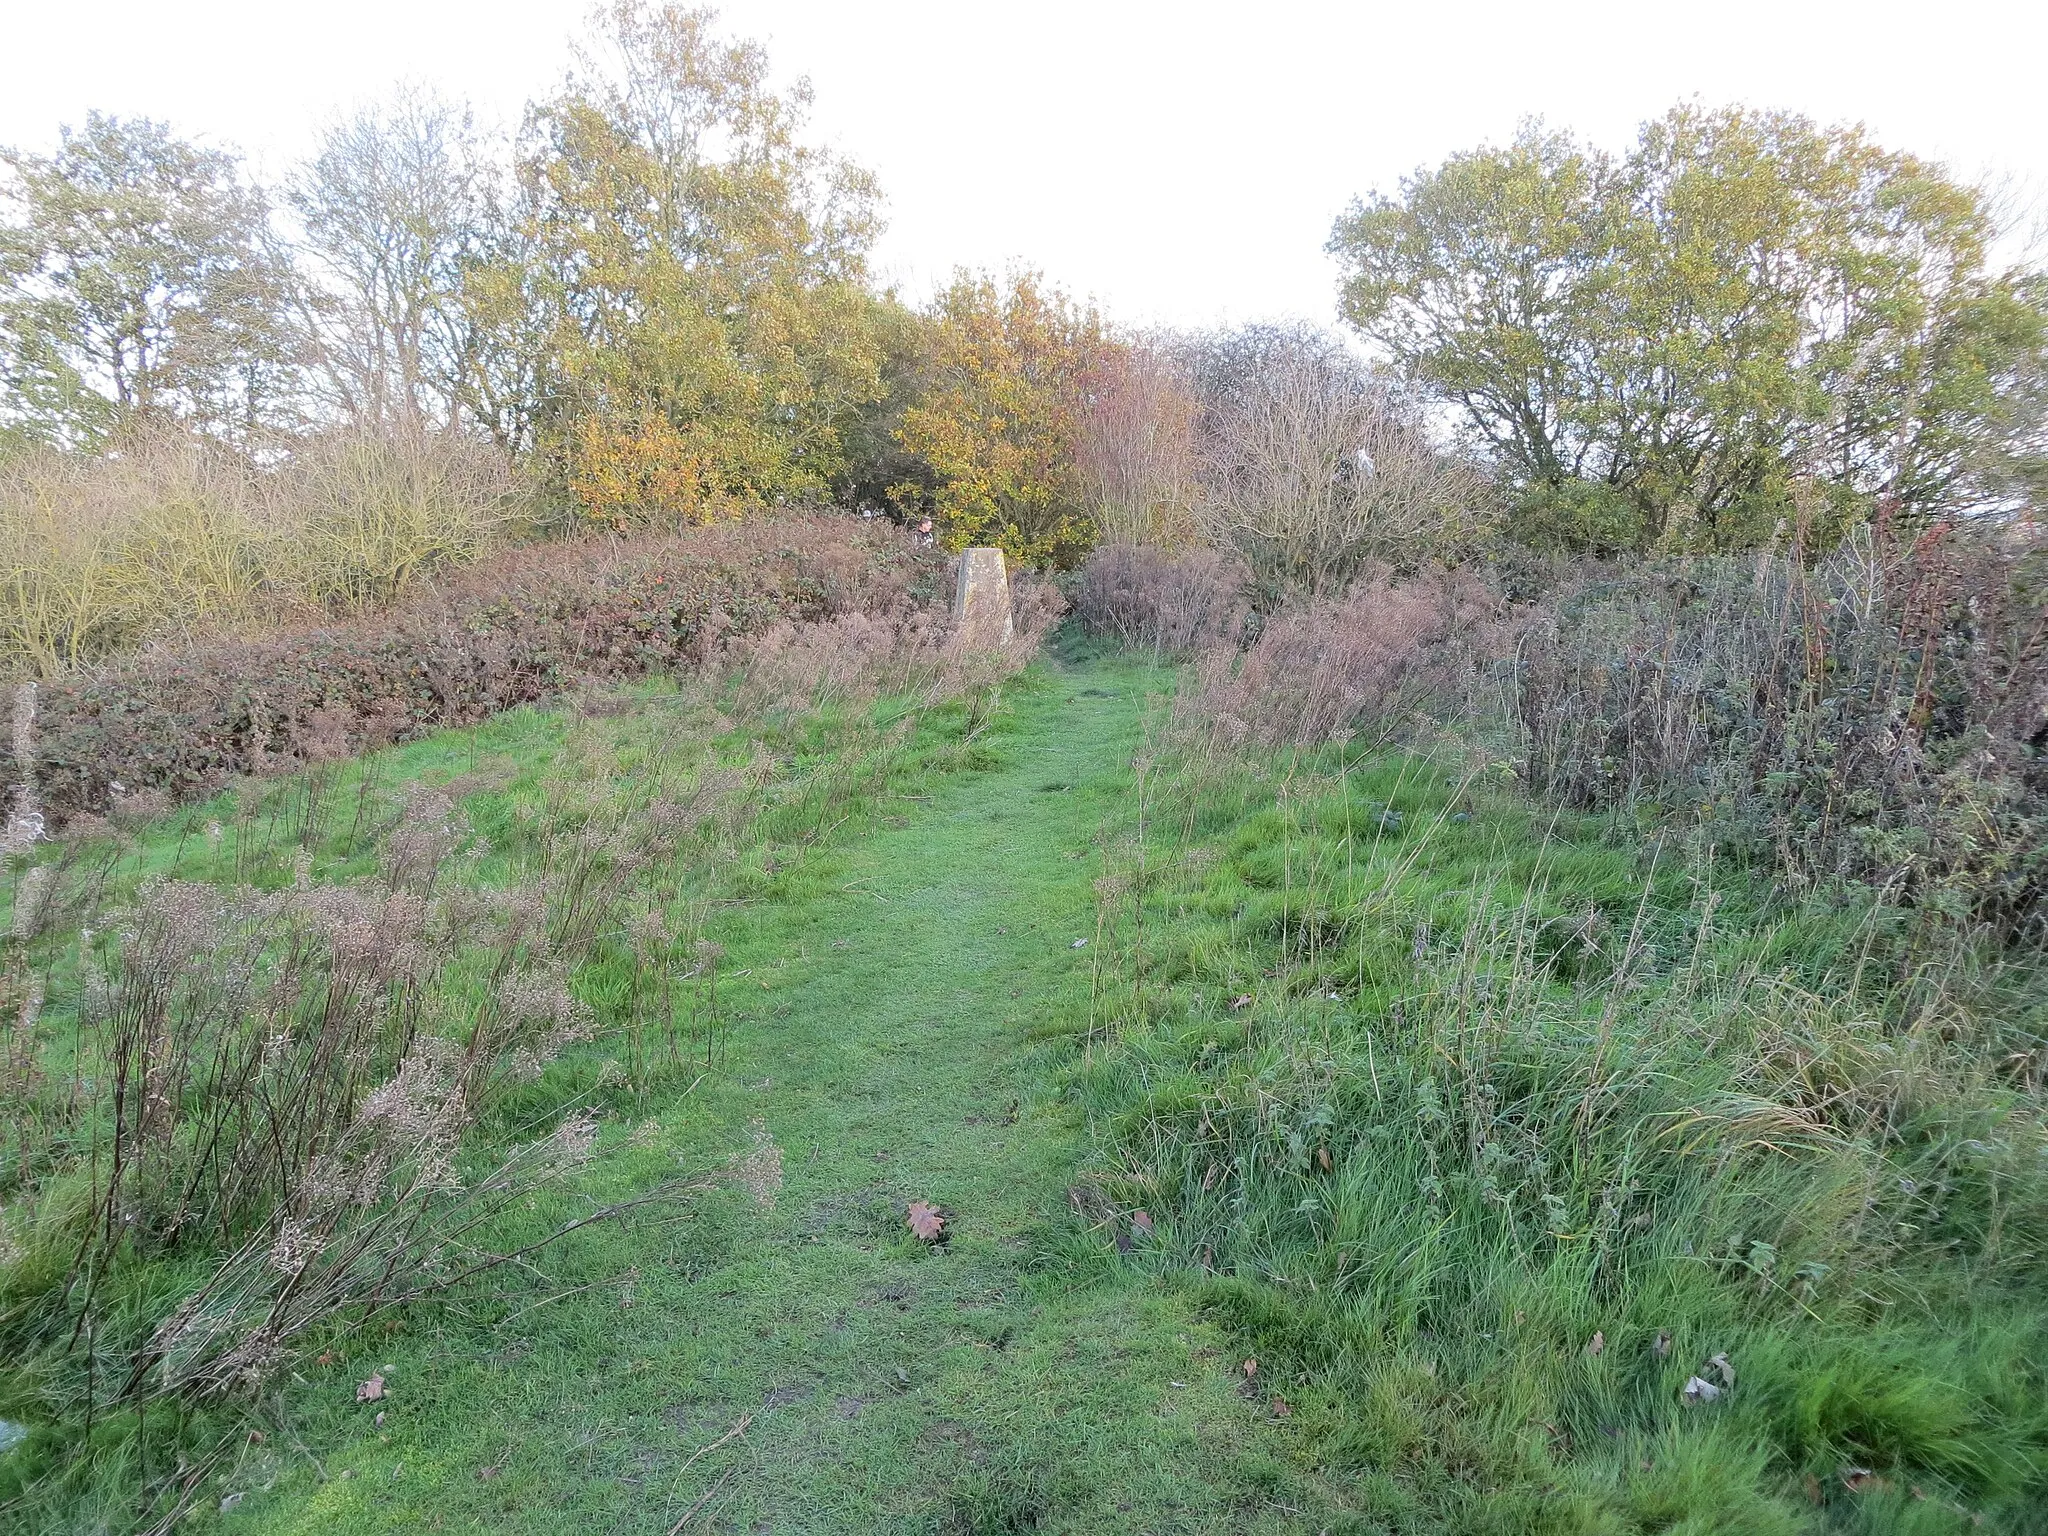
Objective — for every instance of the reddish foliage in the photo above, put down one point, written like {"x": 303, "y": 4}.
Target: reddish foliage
{"x": 1367, "y": 663}
{"x": 505, "y": 632}
{"x": 1140, "y": 595}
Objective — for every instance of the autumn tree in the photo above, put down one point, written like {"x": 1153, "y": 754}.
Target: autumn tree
{"x": 999, "y": 419}
{"x": 1659, "y": 347}
{"x": 698, "y": 273}
{"x": 139, "y": 277}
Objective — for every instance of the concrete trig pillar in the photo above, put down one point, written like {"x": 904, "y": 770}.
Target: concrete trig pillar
{"x": 981, "y": 600}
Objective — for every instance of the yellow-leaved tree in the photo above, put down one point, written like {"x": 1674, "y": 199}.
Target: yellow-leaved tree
{"x": 700, "y": 277}
{"x": 1007, "y": 376}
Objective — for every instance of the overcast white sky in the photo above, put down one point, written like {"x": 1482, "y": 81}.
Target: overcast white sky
{"x": 1180, "y": 163}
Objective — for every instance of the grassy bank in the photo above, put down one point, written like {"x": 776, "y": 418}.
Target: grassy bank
{"x": 1556, "y": 1179}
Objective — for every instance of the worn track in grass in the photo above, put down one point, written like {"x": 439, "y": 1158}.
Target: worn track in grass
{"x": 843, "y": 1376}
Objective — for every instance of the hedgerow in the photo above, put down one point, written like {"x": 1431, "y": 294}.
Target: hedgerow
{"x": 515, "y": 628}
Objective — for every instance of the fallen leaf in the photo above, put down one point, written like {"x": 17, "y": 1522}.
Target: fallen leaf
{"x": 326, "y": 1357}
{"x": 1280, "y": 1408}
{"x": 1813, "y": 1493}
{"x": 1079, "y": 944}
{"x": 1597, "y": 1344}
{"x": 927, "y": 1221}
{"x": 371, "y": 1391}
{"x": 1141, "y": 1223}
{"x": 1856, "y": 1479}
{"x": 231, "y": 1501}
{"x": 1720, "y": 1363}
{"x": 1323, "y": 1159}
{"x": 257, "y": 1437}
{"x": 379, "y": 1420}
{"x": 485, "y": 1474}
{"x": 1251, "y": 1367}
{"x": 1662, "y": 1347}
{"x": 1699, "y": 1390}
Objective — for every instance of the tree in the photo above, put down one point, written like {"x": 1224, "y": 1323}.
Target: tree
{"x": 395, "y": 207}
{"x": 1658, "y": 348}
{"x": 1312, "y": 466}
{"x": 700, "y": 272}
{"x": 998, "y": 422}
{"x": 1136, "y": 454}
{"x": 139, "y": 278}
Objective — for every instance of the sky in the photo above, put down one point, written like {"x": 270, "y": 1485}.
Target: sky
{"x": 1180, "y": 164}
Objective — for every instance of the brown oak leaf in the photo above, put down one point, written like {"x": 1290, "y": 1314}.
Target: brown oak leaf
{"x": 927, "y": 1221}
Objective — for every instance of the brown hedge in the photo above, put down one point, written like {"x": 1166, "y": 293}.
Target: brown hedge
{"x": 507, "y": 631}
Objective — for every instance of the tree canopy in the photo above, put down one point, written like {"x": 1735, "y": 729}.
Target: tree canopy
{"x": 998, "y": 417}
{"x": 702, "y": 273}
{"x": 1660, "y": 348}
{"x": 138, "y": 276}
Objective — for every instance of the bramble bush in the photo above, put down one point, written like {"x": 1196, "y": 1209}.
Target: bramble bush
{"x": 509, "y": 630}
{"x": 1880, "y": 717}
{"x": 1172, "y": 604}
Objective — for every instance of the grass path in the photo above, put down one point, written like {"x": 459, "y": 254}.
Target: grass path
{"x": 844, "y": 1377}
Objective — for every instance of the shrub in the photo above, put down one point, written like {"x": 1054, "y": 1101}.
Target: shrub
{"x": 1882, "y": 717}
{"x": 510, "y": 630}
{"x": 1171, "y": 604}
{"x": 1369, "y": 662}
{"x": 1314, "y": 468}
{"x": 176, "y": 535}
{"x": 362, "y": 515}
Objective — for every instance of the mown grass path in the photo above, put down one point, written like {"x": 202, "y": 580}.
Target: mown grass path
{"x": 845, "y": 1377}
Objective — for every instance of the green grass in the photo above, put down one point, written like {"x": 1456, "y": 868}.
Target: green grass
{"x": 1418, "y": 1085}
{"x": 882, "y": 990}
{"x": 1450, "y": 1107}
